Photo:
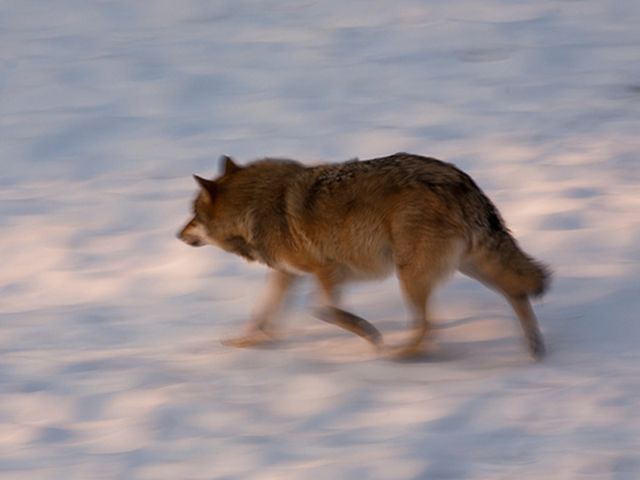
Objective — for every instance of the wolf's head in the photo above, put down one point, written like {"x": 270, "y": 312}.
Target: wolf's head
{"x": 208, "y": 226}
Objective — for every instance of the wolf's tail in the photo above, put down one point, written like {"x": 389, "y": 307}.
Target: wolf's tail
{"x": 513, "y": 270}
{"x": 497, "y": 260}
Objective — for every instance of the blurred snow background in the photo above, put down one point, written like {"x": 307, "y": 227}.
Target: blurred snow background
{"x": 110, "y": 365}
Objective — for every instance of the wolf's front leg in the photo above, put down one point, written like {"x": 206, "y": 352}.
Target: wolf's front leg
{"x": 259, "y": 330}
{"x": 330, "y": 313}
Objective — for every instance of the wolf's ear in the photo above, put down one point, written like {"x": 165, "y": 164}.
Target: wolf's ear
{"x": 228, "y": 165}
{"x": 208, "y": 186}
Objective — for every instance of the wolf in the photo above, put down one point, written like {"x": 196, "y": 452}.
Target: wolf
{"x": 415, "y": 215}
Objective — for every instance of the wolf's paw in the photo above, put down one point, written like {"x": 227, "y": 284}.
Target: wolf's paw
{"x": 536, "y": 347}
{"x": 406, "y": 353}
{"x": 252, "y": 339}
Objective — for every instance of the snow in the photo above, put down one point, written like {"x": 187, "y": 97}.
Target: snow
{"x": 110, "y": 361}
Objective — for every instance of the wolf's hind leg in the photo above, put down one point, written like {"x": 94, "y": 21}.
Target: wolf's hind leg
{"x": 529, "y": 324}
{"x": 258, "y": 330}
{"x": 422, "y": 266}
{"x": 329, "y": 313}
{"x": 516, "y": 297}
{"x": 416, "y": 288}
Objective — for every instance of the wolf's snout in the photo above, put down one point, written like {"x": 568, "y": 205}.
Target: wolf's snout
{"x": 194, "y": 242}
{"x": 189, "y": 235}
{"x": 189, "y": 239}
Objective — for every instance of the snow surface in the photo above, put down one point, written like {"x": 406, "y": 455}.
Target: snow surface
{"x": 110, "y": 361}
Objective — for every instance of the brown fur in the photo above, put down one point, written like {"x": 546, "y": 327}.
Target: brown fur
{"x": 418, "y": 216}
